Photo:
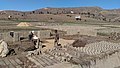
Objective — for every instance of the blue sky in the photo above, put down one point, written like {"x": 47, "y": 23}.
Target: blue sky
{"x": 27, "y": 5}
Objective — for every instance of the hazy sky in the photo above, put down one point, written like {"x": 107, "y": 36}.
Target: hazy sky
{"x": 26, "y": 5}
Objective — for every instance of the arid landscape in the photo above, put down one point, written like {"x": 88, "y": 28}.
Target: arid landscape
{"x": 89, "y": 38}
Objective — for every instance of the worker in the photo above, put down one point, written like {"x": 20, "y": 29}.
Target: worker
{"x": 37, "y": 43}
{"x": 38, "y": 46}
{"x": 31, "y": 35}
{"x": 34, "y": 39}
{"x": 56, "y": 42}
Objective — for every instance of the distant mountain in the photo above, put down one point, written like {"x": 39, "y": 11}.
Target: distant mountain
{"x": 50, "y": 10}
{"x": 67, "y": 10}
{"x": 86, "y": 12}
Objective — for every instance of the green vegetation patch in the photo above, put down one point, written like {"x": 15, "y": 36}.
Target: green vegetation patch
{"x": 102, "y": 34}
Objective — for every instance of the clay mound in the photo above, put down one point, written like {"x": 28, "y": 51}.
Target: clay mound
{"x": 79, "y": 43}
{"x": 24, "y": 24}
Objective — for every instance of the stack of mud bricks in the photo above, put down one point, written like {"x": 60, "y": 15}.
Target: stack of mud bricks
{"x": 7, "y": 37}
{"x": 43, "y": 34}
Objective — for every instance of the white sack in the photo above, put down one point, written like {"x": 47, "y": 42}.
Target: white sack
{"x": 3, "y": 48}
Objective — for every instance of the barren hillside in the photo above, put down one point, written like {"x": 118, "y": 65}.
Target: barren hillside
{"x": 63, "y": 14}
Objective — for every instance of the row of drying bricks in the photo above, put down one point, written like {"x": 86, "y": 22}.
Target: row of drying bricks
{"x": 11, "y": 63}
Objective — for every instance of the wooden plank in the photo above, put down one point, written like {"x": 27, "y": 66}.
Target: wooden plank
{"x": 18, "y": 61}
{"x": 41, "y": 62}
{"x": 18, "y": 66}
{"x": 55, "y": 60}
{"x": 7, "y": 61}
{"x": 44, "y": 60}
{"x": 49, "y": 60}
{"x": 35, "y": 61}
{"x": 3, "y": 66}
{"x": 2, "y": 62}
{"x": 6, "y": 66}
{"x": 11, "y": 66}
{"x": 13, "y": 62}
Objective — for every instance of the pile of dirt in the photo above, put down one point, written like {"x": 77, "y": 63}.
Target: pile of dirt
{"x": 24, "y": 24}
{"x": 83, "y": 40}
{"x": 79, "y": 43}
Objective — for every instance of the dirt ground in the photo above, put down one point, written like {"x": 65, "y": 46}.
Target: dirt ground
{"x": 50, "y": 43}
{"x": 20, "y": 47}
{"x": 89, "y": 30}
{"x": 24, "y": 46}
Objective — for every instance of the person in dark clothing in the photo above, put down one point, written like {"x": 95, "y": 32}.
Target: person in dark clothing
{"x": 56, "y": 42}
{"x": 34, "y": 39}
{"x": 31, "y": 35}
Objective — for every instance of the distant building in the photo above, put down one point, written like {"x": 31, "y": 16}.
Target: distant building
{"x": 78, "y": 17}
{"x": 72, "y": 12}
{"x": 9, "y": 16}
